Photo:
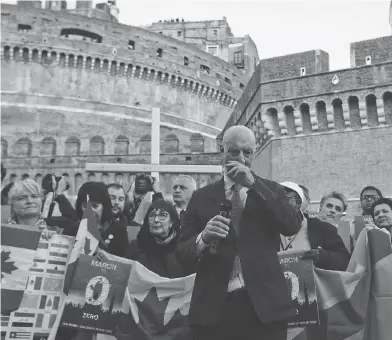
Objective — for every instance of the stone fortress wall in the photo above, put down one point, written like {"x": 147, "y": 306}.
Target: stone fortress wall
{"x": 327, "y": 130}
{"x": 77, "y": 87}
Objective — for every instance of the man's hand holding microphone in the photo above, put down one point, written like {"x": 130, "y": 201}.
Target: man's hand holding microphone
{"x": 216, "y": 230}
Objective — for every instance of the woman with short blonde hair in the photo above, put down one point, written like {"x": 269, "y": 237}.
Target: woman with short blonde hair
{"x": 26, "y": 203}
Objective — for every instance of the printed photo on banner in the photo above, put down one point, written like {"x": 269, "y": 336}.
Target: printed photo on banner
{"x": 299, "y": 275}
{"x": 96, "y": 295}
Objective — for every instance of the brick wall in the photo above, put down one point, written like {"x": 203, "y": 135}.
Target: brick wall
{"x": 344, "y": 161}
{"x": 380, "y": 50}
{"x": 289, "y": 66}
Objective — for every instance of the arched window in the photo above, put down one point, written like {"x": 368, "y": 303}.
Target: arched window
{"x": 121, "y": 145}
{"x": 322, "y": 120}
{"x": 145, "y": 73}
{"x": 137, "y": 72}
{"x": 353, "y": 108}
{"x": 26, "y": 55}
{"x": 171, "y": 144}
{"x": 91, "y": 177}
{"x": 338, "y": 118}
{"x": 197, "y": 142}
{"x": 45, "y": 57}
{"x": 387, "y": 103}
{"x": 290, "y": 120}
{"x": 97, "y": 145}
{"x": 7, "y": 53}
{"x": 152, "y": 74}
{"x": 89, "y": 62}
{"x": 4, "y": 148}
{"x": 48, "y": 147}
{"x": 72, "y": 146}
{"x": 62, "y": 60}
{"x": 105, "y": 67}
{"x": 79, "y": 62}
{"x": 371, "y": 110}
{"x": 273, "y": 121}
{"x": 121, "y": 70}
{"x": 305, "y": 116}
{"x": 113, "y": 68}
{"x": 35, "y": 55}
{"x": 53, "y": 57}
{"x": 160, "y": 74}
{"x": 23, "y": 147}
{"x": 71, "y": 61}
{"x": 145, "y": 144}
{"x": 16, "y": 54}
{"x": 13, "y": 178}
{"x": 25, "y": 176}
{"x": 97, "y": 65}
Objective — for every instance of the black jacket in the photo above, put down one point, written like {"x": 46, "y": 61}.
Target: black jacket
{"x": 333, "y": 255}
{"x": 267, "y": 214}
{"x": 159, "y": 258}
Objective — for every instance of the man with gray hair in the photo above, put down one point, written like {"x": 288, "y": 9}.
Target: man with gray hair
{"x": 183, "y": 188}
{"x": 240, "y": 291}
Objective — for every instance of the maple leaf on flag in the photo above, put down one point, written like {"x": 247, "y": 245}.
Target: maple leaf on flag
{"x": 151, "y": 321}
{"x": 7, "y": 267}
{"x": 87, "y": 249}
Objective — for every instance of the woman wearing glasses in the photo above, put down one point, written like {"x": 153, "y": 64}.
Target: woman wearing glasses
{"x": 157, "y": 240}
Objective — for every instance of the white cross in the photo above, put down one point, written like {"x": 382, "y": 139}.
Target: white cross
{"x": 154, "y": 168}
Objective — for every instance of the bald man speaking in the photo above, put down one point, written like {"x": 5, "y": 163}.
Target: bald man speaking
{"x": 240, "y": 292}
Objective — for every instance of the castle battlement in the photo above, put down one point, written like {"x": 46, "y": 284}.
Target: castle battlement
{"x": 64, "y": 32}
{"x": 298, "y": 94}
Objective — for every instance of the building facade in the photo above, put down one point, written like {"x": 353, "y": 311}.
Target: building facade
{"x": 77, "y": 86}
{"x": 215, "y": 37}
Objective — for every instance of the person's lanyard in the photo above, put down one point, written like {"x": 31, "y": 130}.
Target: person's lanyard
{"x": 288, "y": 246}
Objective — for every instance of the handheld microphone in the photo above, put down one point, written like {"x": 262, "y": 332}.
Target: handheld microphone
{"x": 225, "y": 209}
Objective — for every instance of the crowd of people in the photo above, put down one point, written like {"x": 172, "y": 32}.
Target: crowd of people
{"x": 240, "y": 291}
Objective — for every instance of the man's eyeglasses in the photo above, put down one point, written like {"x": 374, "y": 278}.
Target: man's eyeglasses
{"x": 370, "y": 198}
{"x": 162, "y": 216}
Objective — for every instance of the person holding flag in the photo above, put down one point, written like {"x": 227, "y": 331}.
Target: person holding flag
{"x": 113, "y": 232}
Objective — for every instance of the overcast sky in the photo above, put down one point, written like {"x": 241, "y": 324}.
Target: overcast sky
{"x": 278, "y": 27}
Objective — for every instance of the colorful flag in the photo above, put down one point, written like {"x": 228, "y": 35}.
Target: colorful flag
{"x": 86, "y": 242}
{"x": 357, "y": 303}
{"x": 17, "y": 253}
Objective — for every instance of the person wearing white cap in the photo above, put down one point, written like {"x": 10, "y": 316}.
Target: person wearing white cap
{"x": 319, "y": 239}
